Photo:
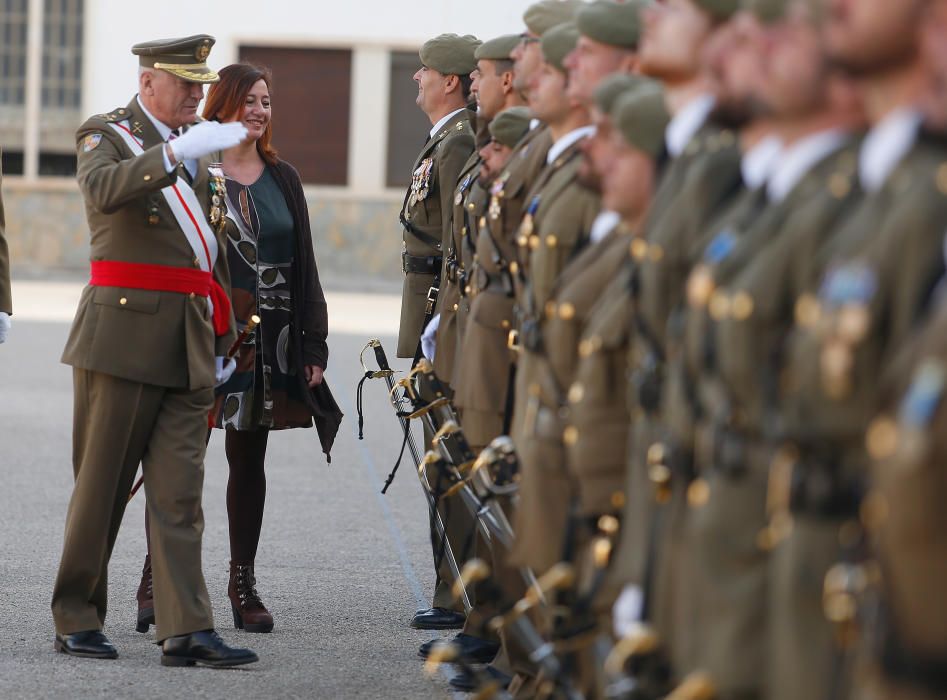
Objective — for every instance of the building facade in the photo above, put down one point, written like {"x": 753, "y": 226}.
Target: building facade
{"x": 343, "y": 104}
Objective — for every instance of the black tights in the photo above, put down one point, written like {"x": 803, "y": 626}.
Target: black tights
{"x": 246, "y": 492}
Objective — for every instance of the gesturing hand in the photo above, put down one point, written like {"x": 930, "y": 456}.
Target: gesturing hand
{"x": 206, "y": 138}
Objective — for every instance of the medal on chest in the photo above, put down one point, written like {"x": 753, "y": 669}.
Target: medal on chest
{"x": 496, "y": 194}
{"x": 528, "y": 225}
{"x": 421, "y": 182}
{"x": 218, "y": 190}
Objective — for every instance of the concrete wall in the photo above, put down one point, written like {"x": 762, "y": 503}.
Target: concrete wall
{"x": 357, "y": 240}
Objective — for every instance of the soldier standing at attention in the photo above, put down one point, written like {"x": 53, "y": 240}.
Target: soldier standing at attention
{"x": 443, "y": 94}
{"x": 6, "y": 298}
{"x": 149, "y": 325}
{"x": 556, "y": 224}
{"x": 906, "y": 443}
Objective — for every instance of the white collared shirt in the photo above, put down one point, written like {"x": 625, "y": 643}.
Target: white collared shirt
{"x": 165, "y": 131}
{"x": 686, "y": 123}
{"x": 443, "y": 121}
{"x": 886, "y": 145}
{"x": 604, "y": 224}
{"x": 574, "y": 136}
{"x": 758, "y": 164}
{"x": 801, "y": 157}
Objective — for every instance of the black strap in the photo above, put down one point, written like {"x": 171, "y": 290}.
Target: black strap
{"x": 510, "y": 399}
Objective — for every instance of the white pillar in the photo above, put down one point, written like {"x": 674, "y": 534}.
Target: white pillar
{"x": 368, "y": 125}
{"x": 34, "y": 83}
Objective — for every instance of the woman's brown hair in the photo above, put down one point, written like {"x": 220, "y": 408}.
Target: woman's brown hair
{"x": 226, "y": 99}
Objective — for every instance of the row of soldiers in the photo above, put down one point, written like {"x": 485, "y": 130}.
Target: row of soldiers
{"x": 689, "y": 255}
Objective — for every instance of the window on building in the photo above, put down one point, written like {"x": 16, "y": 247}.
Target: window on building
{"x": 13, "y": 17}
{"x": 61, "y": 93}
{"x": 311, "y": 98}
{"x": 59, "y": 84}
{"x": 407, "y": 124}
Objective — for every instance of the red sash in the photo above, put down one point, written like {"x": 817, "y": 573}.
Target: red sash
{"x": 165, "y": 278}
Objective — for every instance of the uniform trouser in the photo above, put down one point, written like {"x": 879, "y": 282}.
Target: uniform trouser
{"x": 118, "y": 424}
{"x": 804, "y": 656}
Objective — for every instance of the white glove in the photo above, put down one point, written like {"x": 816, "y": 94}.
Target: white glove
{"x": 4, "y": 325}
{"x": 224, "y": 370}
{"x": 626, "y": 612}
{"x": 429, "y": 337}
{"x": 206, "y": 138}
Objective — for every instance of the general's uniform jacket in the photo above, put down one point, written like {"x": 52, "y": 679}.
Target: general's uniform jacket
{"x": 152, "y": 337}
{"x": 427, "y": 221}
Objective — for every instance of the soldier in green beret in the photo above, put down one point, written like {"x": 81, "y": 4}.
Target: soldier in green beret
{"x": 555, "y": 226}
{"x": 539, "y": 18}
{"x": 426, "y": 216}
{"x": 882, "y": 265}
{"x": 582, "y": 354}
{"x": 608, "y": 43}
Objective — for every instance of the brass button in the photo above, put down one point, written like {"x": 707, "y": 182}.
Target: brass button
{"x": 882, "y": 439}
{"x": 570, "y": 436}
{"x": 505, "y": 325}
{"x": 191, "y": 295}
{"x": 483, "y": 222}
{"x": 550, "y": 309}
{"x": 719, "y": 306}
{"x": 854, "y": 322}
{"x": 698, "y": 493}
{"x": 552, "y": 241}
{"x": 514, "y": 267}
{"x": 808, "y": 310}
{"x": 533, "y": 242}
{"x": 576, "y": 392}
{"x": 471, "y": 206}
{"x": 566, "y": 311}
{"x": 123, "y": 301}
{"x": 742, "y": 306}
{"x": 456, "y": 306}
{"x": 700, "y": 285}
{"x": 639, "y": 249}
{"x": 147, "y": 178}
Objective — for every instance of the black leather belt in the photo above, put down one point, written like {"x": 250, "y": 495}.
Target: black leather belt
{"x": 453, "y": 270}
{"x": 430, "y": 265}
{"x": 820, "y": 488}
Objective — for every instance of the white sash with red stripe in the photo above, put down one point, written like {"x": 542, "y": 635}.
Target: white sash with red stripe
{"x": 185, "y": 207}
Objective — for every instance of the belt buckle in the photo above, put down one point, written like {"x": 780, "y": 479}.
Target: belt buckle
{"x": 431, "y": 299}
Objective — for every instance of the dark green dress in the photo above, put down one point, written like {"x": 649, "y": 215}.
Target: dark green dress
{"x": 263, "y": 392}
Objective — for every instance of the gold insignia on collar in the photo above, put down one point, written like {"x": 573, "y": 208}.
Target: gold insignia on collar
{"x": 136, "y": 128}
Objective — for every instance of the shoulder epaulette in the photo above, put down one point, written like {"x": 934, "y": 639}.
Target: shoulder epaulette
{"x": 116, "y": 115}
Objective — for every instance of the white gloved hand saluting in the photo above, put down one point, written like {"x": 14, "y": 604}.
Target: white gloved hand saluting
{"x": 206, "y": 138}
{"x": 429, "y": 338}
{"x": 4, "y": 325}
{"x": 225, "y": 368}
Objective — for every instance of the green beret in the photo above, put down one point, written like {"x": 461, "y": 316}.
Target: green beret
{"x": 546, "y": 14}
{"x": 767, "y": 10}
{"x": 450, "y": 54}
{"x": 510, "y": 125}
{"x": 498, "y": 49}
{"x": 720, "y": 9}
{"x": 558, "y": 43}
{"x": 185, "y": 58}
{"x": 641, "y": 116}
{"x": 612, "y": 23}
{"x": 616, "y": 85}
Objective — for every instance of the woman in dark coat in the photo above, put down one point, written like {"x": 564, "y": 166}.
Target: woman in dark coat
{"x": 278, "y": 381}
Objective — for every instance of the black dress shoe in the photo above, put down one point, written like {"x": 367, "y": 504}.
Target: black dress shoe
{"x": 91, "y": 644}
{"x": 467, "y": 683}
{"x": 438, "y": 619}
{"x": 473, "y": 649}
{"x": 205, "y": 648}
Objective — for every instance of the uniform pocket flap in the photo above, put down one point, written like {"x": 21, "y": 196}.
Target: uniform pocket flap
{"x": 493, "y": 311}
{"x": 141, "y": 300}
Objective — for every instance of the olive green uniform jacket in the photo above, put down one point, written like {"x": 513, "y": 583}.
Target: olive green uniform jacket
{"x": 482, "y": 379}
{"x": 426, "y": 219}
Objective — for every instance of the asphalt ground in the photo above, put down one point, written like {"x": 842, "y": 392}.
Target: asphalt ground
{"x": 341, "y": 567}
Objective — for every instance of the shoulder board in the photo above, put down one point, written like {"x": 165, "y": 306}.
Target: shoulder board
{"x": 116, "y": 115}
